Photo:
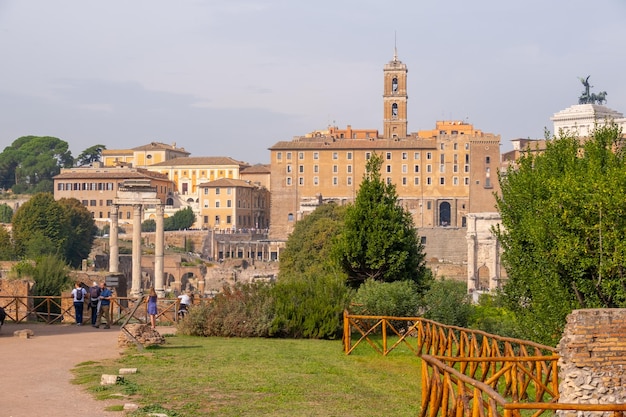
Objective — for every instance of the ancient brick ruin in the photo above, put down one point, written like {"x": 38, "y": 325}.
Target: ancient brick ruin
{"x": 593, "y": 359}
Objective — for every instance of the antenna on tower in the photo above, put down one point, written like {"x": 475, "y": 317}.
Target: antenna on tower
{"x": 395, "y": 48}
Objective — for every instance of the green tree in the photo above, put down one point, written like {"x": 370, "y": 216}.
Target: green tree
{"x": 90, "y": 155}
{"x": 81, "y": 233}
{"x": 30, "y": 163}
{"x": 148, "y": 226}
{"x": 379, "y": 240}
{"x": 310, "y": 294}
{"x": 564, "y": 231}
{"x": 6, "y": 245}
{"x": 6, "y": 213}
{"x": 309, "y": 247}
{"x": 40, "y": 227}
{"x": 43, "y": 226}
{"x": 182, "y": 219}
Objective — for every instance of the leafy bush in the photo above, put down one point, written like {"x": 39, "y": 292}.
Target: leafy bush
{"x": 310, "y": 306}
{"x": 447, "y": 302}
{"x": 491, "y": 316}
{"x": 242, "y": 311}
{"x": 195, "y": 323}
{"x": 376, "y": 298}
{"x": 50, "y": 274}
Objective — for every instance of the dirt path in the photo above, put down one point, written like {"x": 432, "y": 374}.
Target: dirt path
{"x": 35, "y": 373}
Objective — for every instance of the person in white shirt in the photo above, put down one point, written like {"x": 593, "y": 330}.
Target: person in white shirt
{"x": 185, "y": 302}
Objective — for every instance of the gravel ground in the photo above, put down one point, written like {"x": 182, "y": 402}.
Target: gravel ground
{"x": 35, "y": 373}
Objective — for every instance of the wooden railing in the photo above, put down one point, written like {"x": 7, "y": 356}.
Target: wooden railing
{"x": 514, "y": 388}
{"x": 470, "y": 373}
{"x": 54, "y": 309}
{"x": 424, "y": 336}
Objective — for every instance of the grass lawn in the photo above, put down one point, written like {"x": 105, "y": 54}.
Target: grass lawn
{"x": 195, "y": 376}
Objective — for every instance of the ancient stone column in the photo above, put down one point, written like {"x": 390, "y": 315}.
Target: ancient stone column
{"x": 472, "y": 272}
{"x": 114, "y": 250}
{"x": 136, "y": 278}
{"x": 158, "y": 252}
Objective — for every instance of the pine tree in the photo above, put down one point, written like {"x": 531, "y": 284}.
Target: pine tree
{"x": 379, "y": 240}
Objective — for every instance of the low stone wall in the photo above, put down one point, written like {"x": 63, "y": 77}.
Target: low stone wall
{"x": 21, "y": 288}
{"x": 593, "y": 359}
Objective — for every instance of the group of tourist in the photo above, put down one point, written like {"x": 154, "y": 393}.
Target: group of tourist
{"x": 100, "y": 303}
{"x": 99, "y": 298}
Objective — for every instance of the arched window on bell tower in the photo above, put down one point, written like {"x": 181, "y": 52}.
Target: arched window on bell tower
{"x": 394, "y": 85}
{"x": 394, "y": 110}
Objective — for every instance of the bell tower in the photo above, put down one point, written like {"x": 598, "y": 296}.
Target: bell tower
{"x": 395, "y": 99}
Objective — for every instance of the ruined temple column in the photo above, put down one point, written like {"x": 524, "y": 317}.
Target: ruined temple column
{"x": 136, "y": 278}
{"x": 114, "y": 250}
{"x": 472, "y": 272}
{"x": 158, "y": 252}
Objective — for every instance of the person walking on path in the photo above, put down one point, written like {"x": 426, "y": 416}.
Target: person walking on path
{"x": 152, "y": 307}
{"x": 105, "y": 304}
{"x": 78, "y": 294}
{"x": 94, "y": 301}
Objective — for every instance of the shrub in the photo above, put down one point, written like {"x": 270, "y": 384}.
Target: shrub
{"x": 447, "y": 302}
{"x": 50, "y": 274}
{"x": 310, "y": 306}
{"x": 491, "y": 316}
{"x": 398, "y": 298}
{"x": 244, "y": 310}
{"x": 195, "y": 322}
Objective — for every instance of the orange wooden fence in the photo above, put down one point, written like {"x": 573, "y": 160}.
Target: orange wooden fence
{"x": 470, "y": 373}
{"x": 53, "y": 309}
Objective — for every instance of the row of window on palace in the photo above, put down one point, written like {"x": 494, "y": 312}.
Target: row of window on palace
{"x": 368, "y": 155}
{"x": 388, "y": 168}
{"x": 213, "y": 174}
{"x": 404, "y": 181}
{"x": 260, "y": 203}
{"x": 97, "y": 186}
{"x": 243, "y": 221}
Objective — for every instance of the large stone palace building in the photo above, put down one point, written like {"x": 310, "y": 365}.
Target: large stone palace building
{"x": 441, "y": 175}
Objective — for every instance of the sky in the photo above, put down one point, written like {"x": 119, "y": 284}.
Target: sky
{"x": 233, "y": 77}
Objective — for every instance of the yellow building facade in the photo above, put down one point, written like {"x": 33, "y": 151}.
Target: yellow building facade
{"x": 188, "y": 173}
{"x": 233, "y": 205}
{"x": 143, "y": 156}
